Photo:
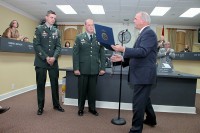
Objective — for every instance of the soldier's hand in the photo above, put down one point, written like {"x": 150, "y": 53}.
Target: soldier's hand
{"x": 102, "y": 72}
{"x": 48, "y": 60}
{"x": 52, "y": 60}
{"x": 77, "y": 72}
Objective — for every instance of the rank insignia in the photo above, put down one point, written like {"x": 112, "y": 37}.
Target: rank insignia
{"x": 44, "y": 34}
{"x": 82, "y": 41}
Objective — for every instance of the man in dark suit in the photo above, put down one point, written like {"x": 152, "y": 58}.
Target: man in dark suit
{"x": 142, "y": 71}
{"x": 88, "y": 63}
{"x": 47, "y": 47}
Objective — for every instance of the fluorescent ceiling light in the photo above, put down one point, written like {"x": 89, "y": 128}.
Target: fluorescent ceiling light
{"x": 67, "y": 9}
{"x": 96, "y": 9}
{"x": 191, "y": 12}
{"x": 160, "y": 11}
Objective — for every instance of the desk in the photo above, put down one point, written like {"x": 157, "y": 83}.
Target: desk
{"x": 173, "y": 92}
{"x": 187, "y": 56}
{"x": 11, "y": 45}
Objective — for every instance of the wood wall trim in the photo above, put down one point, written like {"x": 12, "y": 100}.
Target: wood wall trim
{"x": 181, "y": 29}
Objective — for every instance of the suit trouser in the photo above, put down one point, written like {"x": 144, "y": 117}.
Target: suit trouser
{"x": 141, "y": 104}
{"x": 41, "y": 74}
{"x": 87, "y": 90}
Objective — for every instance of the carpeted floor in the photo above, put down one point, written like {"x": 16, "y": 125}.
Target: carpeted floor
{"x": 22, "y": 118}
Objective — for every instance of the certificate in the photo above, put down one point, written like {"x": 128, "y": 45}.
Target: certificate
{"x": 104, "y": 36}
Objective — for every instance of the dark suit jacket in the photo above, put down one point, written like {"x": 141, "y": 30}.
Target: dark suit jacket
{"x": 88, "y": 57}
{"x": 46, "y": 43}
{"x": 142, "y": 58}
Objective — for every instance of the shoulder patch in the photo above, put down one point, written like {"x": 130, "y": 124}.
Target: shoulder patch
{"x": 39, "y": 27}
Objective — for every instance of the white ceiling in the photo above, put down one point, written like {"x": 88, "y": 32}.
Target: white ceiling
{"x": 116, "y": 10}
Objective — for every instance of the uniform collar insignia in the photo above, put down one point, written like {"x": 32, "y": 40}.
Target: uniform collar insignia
{"x": 86, "y": 37}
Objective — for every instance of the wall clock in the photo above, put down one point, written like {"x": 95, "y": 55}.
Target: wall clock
{"x": 126, "y": 36}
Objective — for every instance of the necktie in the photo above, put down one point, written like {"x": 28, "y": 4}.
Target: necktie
{"x": 90, "y": 38}
{"x": 49, "y": 28}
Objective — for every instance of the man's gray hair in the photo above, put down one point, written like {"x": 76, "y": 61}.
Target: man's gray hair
{"x": 88, "y": 20}
{"x": 145, "y": 16}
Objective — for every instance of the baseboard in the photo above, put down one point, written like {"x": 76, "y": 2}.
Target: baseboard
{"x": 17, "y": 92}
{"x": 198, "y": 91}
{"x": 128, "y": 106}
{"x": 175, "y": 109}
{"x": 21, "y": 91}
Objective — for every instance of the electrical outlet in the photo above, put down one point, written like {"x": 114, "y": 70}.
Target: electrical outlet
{"x": 13, "y": 86}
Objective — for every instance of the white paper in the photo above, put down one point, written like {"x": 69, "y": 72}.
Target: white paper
{"x": 165, "y": 65}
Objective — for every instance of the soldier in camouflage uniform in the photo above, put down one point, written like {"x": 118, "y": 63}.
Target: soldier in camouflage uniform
{"x": 47, "y": 47}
